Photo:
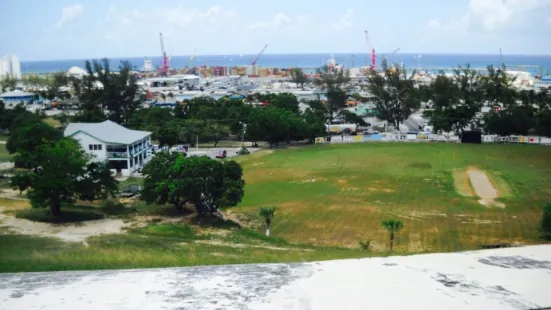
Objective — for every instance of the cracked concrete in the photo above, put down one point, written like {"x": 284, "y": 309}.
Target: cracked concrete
{"x": 512, "y": 278}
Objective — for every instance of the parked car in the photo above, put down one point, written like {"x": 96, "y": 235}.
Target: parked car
{"x": 221, "y": 154}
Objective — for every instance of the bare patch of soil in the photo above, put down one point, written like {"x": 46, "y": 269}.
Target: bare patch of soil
{"x": 483, "y": 188}
{"x": 67, "y": 232}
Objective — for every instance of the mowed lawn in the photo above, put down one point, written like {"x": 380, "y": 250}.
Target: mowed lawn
{"x": 4, "y": 155}
{"x": 339, "y": 194}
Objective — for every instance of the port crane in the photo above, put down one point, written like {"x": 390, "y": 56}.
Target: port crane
{"x": 372, "y": 50}
{"x": 164, "y": 67}
{"x": 259, "y": 55}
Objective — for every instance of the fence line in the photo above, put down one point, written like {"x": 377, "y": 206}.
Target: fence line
{"x": 424, "y": 137}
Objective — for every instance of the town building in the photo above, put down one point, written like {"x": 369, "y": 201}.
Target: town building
{"x": 10, "y": 65}
{"x": 17, "y": 97}
{"x": 125, "y": 150}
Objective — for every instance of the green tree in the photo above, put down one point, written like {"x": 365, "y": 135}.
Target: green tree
{"x": 118, "y": 93}
{"x": 456, "y": 100}
{"x": 314, "y": 126}
{"x": 333, "y": 82}
{"x": 53, "y": 83}
{"x": 269, "y": 124}
{"x": 156, "y": 188}
{"x": 498, "y": 89}
{"x": 393, "y": 227}
{"x": 96, "y": 182}
{"x": 298, "y": 77}
{"x": 267, "y": 214}
{"x": 518, "y": 120}
{"x": 209, "y": 184}
{"x": 352, "y": 118}
{"x": 545, "y": 225}
{"x": 90, "y": 116}
{"x": 285, "y": 101}
{"x": 21, "y": 181}
{"x": 543, "y": 123}
{"x": 214, "y": 131}
{"x": 8, "y": 82}
{"x": 394, "y": 94}
{"x": 64, "y": 176}
{"x": 26, "y": 138}
{"x": 168, "y": 133}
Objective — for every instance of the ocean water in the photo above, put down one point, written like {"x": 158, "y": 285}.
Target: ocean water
{"x": 315, "y": 60}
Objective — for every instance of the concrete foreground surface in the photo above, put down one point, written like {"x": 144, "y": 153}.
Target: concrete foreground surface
{"x": 513, "y": 278}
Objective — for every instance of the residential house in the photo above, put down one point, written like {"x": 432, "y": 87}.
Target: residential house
{"x": 125, "y": 150}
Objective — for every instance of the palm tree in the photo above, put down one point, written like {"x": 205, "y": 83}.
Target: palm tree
{"x": 392, "y": 226}
{"x": 267, "y": 213}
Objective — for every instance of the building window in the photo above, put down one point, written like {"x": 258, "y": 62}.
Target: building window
{"x": 95, "y": 147}
{"x": 131, "y": 164}
{"x": 91, "y": 147}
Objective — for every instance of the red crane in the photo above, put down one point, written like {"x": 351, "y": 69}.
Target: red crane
{"x": 373, "y": 55}
{"x": 259, "y": 55}
{"x": 164, "y": 67}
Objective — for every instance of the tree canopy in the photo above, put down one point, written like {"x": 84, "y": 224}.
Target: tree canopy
{"x": 208, "y": 184}
{"x": 64, "y": 175}
{"x": 394, "y": 94}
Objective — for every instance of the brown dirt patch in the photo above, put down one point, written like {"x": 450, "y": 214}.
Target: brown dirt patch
{"x": 461, "y": 183}
{"x": 483, "y": 187}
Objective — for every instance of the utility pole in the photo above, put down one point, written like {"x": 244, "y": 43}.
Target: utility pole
{"x": 243, "y": 134}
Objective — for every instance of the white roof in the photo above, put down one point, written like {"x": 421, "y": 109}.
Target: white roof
{"x": 16, "y": 94}
{"x": 107, "y": 131}
{"x": 77, "y": 71}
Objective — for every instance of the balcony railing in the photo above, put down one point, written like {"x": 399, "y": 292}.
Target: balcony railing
{"x": 117, "y": 154}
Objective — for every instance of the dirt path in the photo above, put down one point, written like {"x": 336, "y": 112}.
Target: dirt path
{"x": 75, "y": 232}
{"x": 483, "y": 187}
{"x": 243, "y": 246}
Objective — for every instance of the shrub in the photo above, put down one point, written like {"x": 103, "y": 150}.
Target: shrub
{"x": 181, "y": 231}
{"x": 114, "y": 207}
{"x": 71, "y": 214}
{"x": 545, "y": 232}
{"x": 243, "y": 151}
{"x": 364, "y": 244}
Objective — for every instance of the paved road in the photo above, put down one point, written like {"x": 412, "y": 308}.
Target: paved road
{"x": 514, "y": 278}
{"x": 211, "y": 152}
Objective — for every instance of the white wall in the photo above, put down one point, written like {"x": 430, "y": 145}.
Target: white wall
{"x": 85, "y": 140}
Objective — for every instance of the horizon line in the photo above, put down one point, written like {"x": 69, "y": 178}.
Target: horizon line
{"x": 290, "y": 54}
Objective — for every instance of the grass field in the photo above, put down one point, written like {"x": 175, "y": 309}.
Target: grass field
{"x": 328, "y": 198}
{"x": 4, "y": 155}
{"x": 338, "y": 195}
{"x": 153, "y": 245}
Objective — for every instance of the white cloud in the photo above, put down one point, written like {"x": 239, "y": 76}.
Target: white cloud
{"x": 345, "y": 21}
{"x": 434, "y": 23}
{"x": 303, "y": 19}
{"x": 277, "y": 20}
{"x": 184, "y": 17}
{"x": 495, "y": 13}
{"x": 126, "y": 21}
{"x": 491, "y": 14}
{"x": 69, "y": 13}
{"x": 137, "y": 14}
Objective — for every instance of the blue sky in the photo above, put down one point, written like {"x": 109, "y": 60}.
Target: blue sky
{"x": 65, "y": 29}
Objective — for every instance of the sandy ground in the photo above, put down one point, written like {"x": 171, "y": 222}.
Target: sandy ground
{"x": 483, "y": 187}
{"x": 513, "y": 278}
{"x": 77, "y": 232}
